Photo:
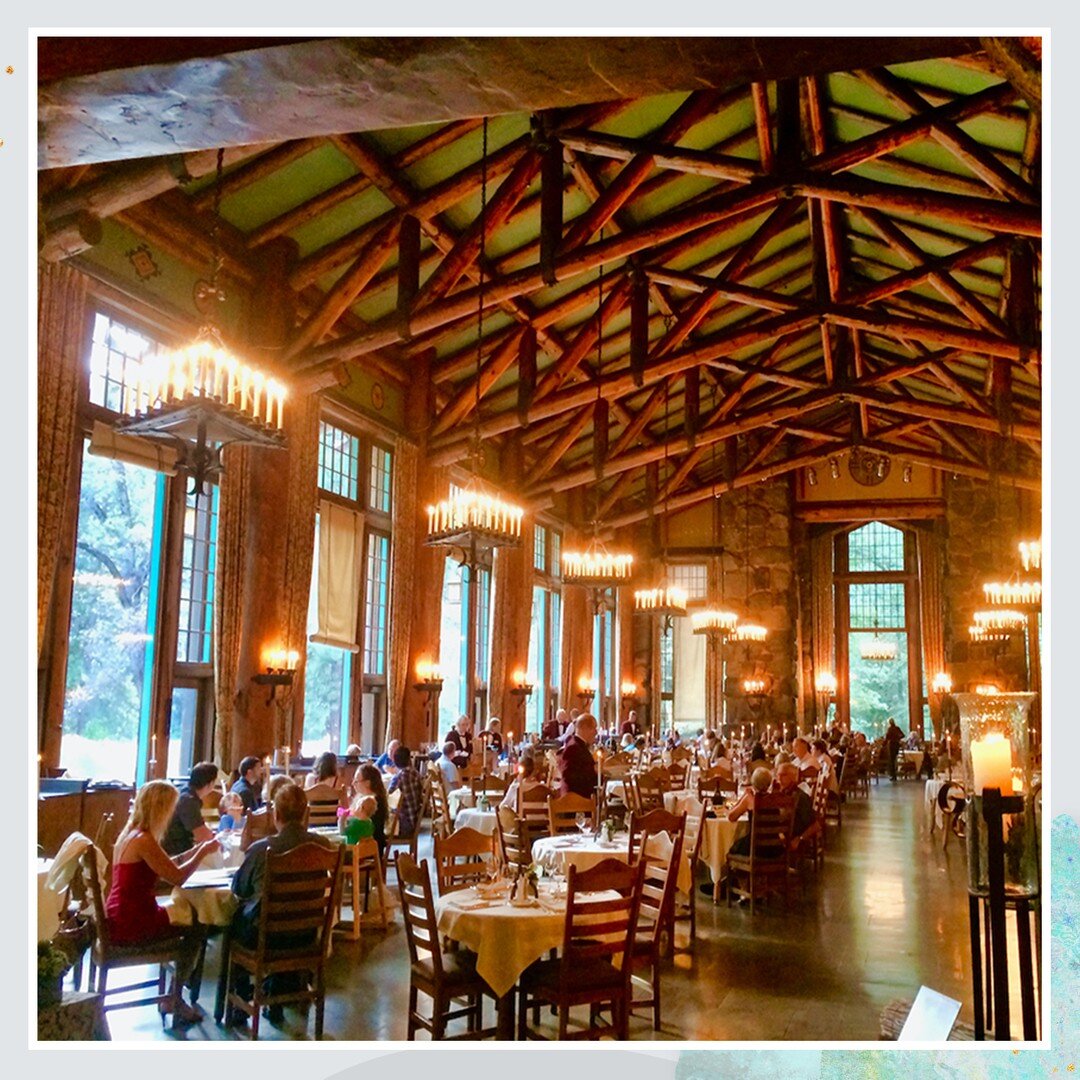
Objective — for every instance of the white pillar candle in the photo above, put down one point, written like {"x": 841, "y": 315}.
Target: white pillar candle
{"x": 991, "y": 763}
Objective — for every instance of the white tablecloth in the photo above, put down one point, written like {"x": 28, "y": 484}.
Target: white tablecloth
{"x": 49, "y": 903}
{"x": 483, "y": 821}
{"x": 559, "y": 853}
{"x": 506, "y": 939}
{"x": 207, "y": 894}
{"x": 459, "y": 799}
{"x": 717, "y": 836}
{"x": 931, "y": 811}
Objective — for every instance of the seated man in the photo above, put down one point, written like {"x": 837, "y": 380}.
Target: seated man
{"x": 553, "y": 728}
{"x": 449, "y": 770}
{"x": 786, "y": 782}
{"x": 576, "y": 765}
{"x": 290, "y": 812}
{"x": 186, "y": 827}
{"x": 407, "y": 781}
{"x": 249, "y": 786}
{"x": 386, "y": 758}
{"x": 461, "y": 736}
{"x": 800, "y": 753}
{"x": 630, "y": 725}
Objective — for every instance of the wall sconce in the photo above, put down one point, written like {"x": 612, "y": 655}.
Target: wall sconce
{"x": 586, "y": 690}
{"x": 281, "y": 667}
{"x": 907, "y": 474}
{"x": 834, "y": 468}
{"x": 628, "y": 694}
{"x": 811, "y": 476}
{"x": 754, "y": 688}
{"x": 825, "y": 683}
{"x": 942, "y": 683}
{"x": 521, "y": 689}
{"x": 429, "y": 683}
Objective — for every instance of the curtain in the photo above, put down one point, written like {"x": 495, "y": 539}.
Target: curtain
{"x": 61, "y": 333}
{"x": 302, "y": 429}
{"x": 931, "y": 614}
{"x": 132, "y": 449}
{"x": 511, "y": 621}
{"x": 689, "y": 651}
{"x": 822, "y": 610}
{"x": 341, "y": 551}
{"x": 405, "y": 514}
{"x": 712, "y": 708}
{"x": 234, "y": 507}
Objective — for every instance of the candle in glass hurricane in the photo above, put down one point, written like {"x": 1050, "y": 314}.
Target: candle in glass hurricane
{"x": 991, "y": 763}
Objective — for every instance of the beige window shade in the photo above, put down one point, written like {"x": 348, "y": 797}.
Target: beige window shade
{"x": 688, "y": 655}
{"x": 338, "y": 559}
{"x": 132, "y": 449}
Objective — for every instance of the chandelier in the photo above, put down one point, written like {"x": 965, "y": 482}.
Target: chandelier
{"x": 472, "y": 518}
{"x": 984, "y": 635}
{"x": 201, "y": 398}
{"x": 877, "y": 648}
{"x": 664, "y": 600}
{"x": 596, "y": 567}
{"x": 715, "y": 621}
{"x": 825, "y": 683}
{"x": 1031, "y": 554}
{"x": 1013, "y": 593}
{"x": 750, "y": 632}
{"x": 1000, "y": 619}
{"x": 754, "y": 687}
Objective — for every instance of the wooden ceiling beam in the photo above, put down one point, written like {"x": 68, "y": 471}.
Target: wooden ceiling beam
{"x": 256, "y": 169}
{"x": 759, "y": 93}
{"x": 562, "y": 442}
{"x": 951, "y": 465}
{"x": 465, "y": 401}
{"x": 946, "y": 414}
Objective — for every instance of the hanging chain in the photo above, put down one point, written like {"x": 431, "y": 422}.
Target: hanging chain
{"x": 215, "y": 240}
{"x": 481, "y": 264}
{"x": 599, "y": 372}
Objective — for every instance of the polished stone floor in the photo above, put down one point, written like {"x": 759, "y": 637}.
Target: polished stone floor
{"x": 886, "y": 914}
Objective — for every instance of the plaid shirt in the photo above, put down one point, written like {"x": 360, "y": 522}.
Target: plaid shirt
{"x": 412, "y": 799}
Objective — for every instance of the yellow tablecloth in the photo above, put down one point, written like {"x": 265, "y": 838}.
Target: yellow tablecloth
{"x": 559, "y": 853}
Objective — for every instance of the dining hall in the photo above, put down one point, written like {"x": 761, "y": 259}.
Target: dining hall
{"x": 539, "y": 538}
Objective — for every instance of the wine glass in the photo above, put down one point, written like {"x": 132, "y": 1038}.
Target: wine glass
{"x": 582, "y": 823}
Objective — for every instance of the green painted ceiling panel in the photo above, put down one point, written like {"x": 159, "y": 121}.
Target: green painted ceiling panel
{"x": 341, "y": 220}
{"x": 466, "y": 151}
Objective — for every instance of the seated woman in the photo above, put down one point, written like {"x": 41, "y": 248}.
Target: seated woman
{"x": 324, "y": 771}
{"x": 370, "y": 801}
{"x": 526, "y": 780}
{"x": 759, "y": 785}
{"x": 131, "y": 910}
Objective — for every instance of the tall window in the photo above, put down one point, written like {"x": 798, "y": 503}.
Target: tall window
{"x": 115, "y": 598}
{"x": 682, "y": 655}
{"x": 197, "y": 577}
{"x": 545, "y": 630}
{"x": 343, "y": 689}
{"x": 877, "y": 581}
{"x": 117, "y": 355}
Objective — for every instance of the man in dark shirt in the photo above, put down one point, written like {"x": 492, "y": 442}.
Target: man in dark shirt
{"x": 249, "y": 786}
{"x": 407, "y": 781}
{"x": 187, "y": 828}
{"x": 461, "y": 736}
{"x": 576, "y": 765}
{"x": 553, "y": 728}
{"x": 290, "y": 809}
{"x": 630, "y": 725}
{"x": 893, "y": 736}
{"x": 787, "y": 783}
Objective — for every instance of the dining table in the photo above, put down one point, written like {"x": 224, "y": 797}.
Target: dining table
{"x": 717, "y": 836}
{"x": 558, "y": 853}
{"x": 483, "y": 821}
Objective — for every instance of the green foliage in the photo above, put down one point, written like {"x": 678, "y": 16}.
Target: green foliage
{"x": 110, "y": 597}
{"x": 879, "y": 688}
{"x": 325, "y": 694}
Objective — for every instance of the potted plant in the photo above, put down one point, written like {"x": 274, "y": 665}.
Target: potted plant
{"x": 52, "y": 963}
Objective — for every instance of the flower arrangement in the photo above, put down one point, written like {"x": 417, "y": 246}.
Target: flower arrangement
{"x": 52, "y": 962}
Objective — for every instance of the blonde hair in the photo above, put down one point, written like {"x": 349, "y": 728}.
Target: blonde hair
{"x": 154, "y": 805}
{"x": 275, "y": 783}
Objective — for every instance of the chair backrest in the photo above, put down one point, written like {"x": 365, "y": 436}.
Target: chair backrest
{"x": 463, "y": 858}
{"x": 770, "y": 827}
{"x": 258, "y": 825}
{"x": 563, "y": 811}
{"x": 682, "y": 753}
{"x": 600, "y": 925}
{"x": 441, "y": 822}
{"x": 323, "y": 802}
{"x": 820, "y": 795}
{"x": 105, "y": 836}
{"x": 715, "y": 785}
{"x": 650, "y": 788}
{"x": 88, "y": 873}
{"x": 489, "y": 782}
{"x": 211, "y": 806}
{"x": 418, "y": 910}
{"x": 692, "y": 836}
{"x": 515, "y": 838}
{"x": 533, "y": 807}
{"x": 658, "y": 881}
{"x": 300, "y": 892}
{"x": 676, "y": 774}
{"x": 395, "y": 833}
{"x": 642, "y": 826}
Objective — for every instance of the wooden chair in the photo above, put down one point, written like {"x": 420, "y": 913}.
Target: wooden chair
{"x": 833, "y": 808}
{"x": 716, "y": 785}
{"x": 396, "y": 839}
{"x": 683, "y": 755}
{"x": 515, "y": 838}
{"x": 643, "y": 827}
{"x": 362, "y": 858}
{"x": 676, "y": 776}
{"x": 533, "y": 809}
{"x": 211, "y": 813}
{"x": 301, "y": 891}
{"x": 598, "y": 938}
{"x": 655, "y": 916}
{"x": 492, "y": 784}
{"x": 563, "y": 811}
{"x": 323, "y": 802}
{"x": 258, "y": 825}
{"x": 686, "y": 910}
{"x": 445, "y": 978}
{"x": 106, "y": 955}
{"x": 817, "y": 838}
{"x": 442, "y": 824}
{"x": 462, "y": 859}
{"x": 649, "y": 789}
{"x": 765, "y": 868}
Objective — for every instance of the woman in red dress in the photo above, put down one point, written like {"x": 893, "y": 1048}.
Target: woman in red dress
{"x": 131, "y": 910}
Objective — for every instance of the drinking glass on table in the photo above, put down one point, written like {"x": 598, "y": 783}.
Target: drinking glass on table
{"x": 583, "y": 823}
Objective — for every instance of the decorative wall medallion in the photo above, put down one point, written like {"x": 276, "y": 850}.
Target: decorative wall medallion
{"x": 378, "y": 398}
{"x": 142, "y": 261}
{"x": 868, "y": 468}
